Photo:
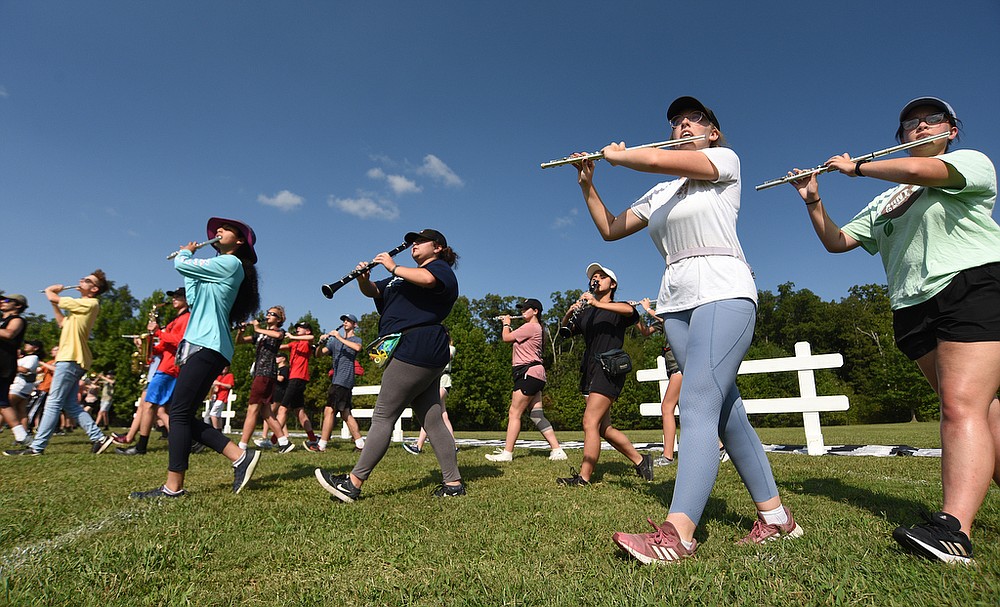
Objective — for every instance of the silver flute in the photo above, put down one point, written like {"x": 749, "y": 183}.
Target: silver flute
{"x": 598, "y": 155}
{"x": 62, "y": 289}
{"x": 198, "y": 246}
{"x": 865, "y": 157}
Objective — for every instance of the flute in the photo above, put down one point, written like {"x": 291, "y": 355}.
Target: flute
{"x": 198, "y": 246}
{"x": 865, "y": 157}
{"x": 598, "y": 155}
{"x": 62, "y": 289}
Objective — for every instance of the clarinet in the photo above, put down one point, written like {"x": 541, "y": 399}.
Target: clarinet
{"x": 566, "y": 331}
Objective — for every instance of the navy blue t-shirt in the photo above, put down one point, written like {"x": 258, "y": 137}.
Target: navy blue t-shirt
{"x": 404, "y": 305}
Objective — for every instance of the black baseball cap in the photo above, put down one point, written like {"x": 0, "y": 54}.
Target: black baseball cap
{"x": 531, "y": 303}
{"x": 179, "y": 292}
{"x": 427, "y": 234}
{"x": 690, "y": 103}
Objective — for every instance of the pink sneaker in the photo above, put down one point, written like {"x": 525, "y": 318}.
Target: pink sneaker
{"x": 663, "y": 546}
{"x": 765, "y": 532}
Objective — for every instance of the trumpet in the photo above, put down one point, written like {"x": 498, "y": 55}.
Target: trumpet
{"x": 198, "y": 246}
{"x": 62, "y": 289}
{"x": 864, "y": 157}
{"x": 333, "y": 287}
{"x": 598, "y": 155}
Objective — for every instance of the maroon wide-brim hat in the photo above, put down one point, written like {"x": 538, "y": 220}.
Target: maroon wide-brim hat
{"x": 248, "y": 235}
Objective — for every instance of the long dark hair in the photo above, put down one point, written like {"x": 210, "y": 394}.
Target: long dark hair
{"x": 248, "y": 298}
{"x": 448, "y": 255}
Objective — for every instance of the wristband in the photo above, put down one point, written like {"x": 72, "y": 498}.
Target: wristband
{"x": 857, "y": 168}
{"x": 393, "y": 270}
{"x": 809, "y": 203}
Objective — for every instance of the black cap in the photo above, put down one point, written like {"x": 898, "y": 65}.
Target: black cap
{"x": 179, "y": 292}
{"x": 427, "y": 234}
{"x": 303, "y": 324}
{"x": 531, "y": 303}
{"x": 690, "y": 103}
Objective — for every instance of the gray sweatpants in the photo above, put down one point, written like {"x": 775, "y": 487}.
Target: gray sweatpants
{"x": 406, "y": 385}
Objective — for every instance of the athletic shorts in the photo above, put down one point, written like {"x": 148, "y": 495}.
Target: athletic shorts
{"x": 160, "y": 388}
{"x": 261, "y": 390}
{"x": 339, "y": 398}
{"x": 967, "y": 310}
{"x": 5, "y": 391}
{"x": 216, "y": 409}
{"x": 529, "y": 385}
{"x": 596, "y": 380}
{"x": 670, "y": 361}
{"x": 295, "y": 394}
{"x": 105, "y": 405}
{"x": 279, "y": 391}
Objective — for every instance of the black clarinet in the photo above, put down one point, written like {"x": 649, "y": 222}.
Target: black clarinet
{"x": 566, "y": 331}
{"x": 333, "y": 287}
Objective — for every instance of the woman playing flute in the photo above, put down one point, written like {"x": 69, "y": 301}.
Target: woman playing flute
{"x": 941, "y": 251}
{"x": 221, "y": 291}
{"x": 707, "y": 301}
{"x": 529, "y": 379}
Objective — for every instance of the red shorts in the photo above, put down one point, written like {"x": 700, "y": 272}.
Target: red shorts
{"x": 262, "y": 390}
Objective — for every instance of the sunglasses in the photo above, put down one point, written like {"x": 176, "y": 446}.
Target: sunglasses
{"x": 271, "y": 314}
{"x": 911, "y": 123}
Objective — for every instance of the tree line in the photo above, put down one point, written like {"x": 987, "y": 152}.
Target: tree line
{"x": 881, "y": 383}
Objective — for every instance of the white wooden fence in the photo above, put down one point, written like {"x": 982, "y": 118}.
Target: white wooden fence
{"x": 807, "y": 403}
{"x": 397, "y": 431}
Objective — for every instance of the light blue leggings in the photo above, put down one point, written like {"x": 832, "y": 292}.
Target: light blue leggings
{"x": 709, "y": 342}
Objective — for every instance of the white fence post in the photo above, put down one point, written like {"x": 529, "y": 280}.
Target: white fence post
{"x": 807, "y": 389}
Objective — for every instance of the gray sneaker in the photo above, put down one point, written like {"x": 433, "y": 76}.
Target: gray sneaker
{"x": 662, "y": 461}
{"x": 244, "y": 470}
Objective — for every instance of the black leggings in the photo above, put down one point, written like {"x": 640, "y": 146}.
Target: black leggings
{"x": 186, "y": 425}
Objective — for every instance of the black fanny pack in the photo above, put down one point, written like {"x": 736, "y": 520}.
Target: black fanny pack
{"x": 520, "y": 371}
{"x": 615, "y": 362}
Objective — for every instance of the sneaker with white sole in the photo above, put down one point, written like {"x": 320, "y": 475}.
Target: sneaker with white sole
{"x": 100, "y": 446}
{"x": 723, "y": 455}
{"x": 557, "y": 455}
{"x": 662, "y": 461}
{"x": 500, "y": 455}
{"x": 574, "y": 480}
{"x": 244, "y": 470}
{"x": 449, "y": 490}
{"x": 28, "y": 451}
{"x": 286, "y": 448}
{"x": 311, "y": 445}
{"x": 662, "y": 546}
{"x": 940, "y": 538}
{"x": 411, "y": 449}
{"x": 264, "y": 443}
{"x": 766, "y": 532}
{"x": 159, "y": 492}
{"x": 338, "y": 485}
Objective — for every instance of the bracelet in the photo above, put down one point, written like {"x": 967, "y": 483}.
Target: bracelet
{"x": 393, "y": 270}
{"x": 507, "y": 326}
{"x": 809, "y": 203}
{"x": 857, "y": 168}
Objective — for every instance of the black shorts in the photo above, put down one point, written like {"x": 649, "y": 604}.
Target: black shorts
{"x": 596, "y": 380}
{"x": 339, "y": 398}
{"x": 967, "y": 310}
{"x": 529, "y": 385}
{"x": 295, "y": 394}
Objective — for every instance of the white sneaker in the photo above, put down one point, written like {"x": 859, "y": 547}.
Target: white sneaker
{"x": 500, "y": 456}
{"x": 557, "y": 455}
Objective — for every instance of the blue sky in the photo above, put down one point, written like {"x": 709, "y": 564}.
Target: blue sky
{"x": 333, "y": 128}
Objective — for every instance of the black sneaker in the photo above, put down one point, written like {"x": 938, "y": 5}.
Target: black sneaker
{"x": 939, "y": 539}
{"x": 449, "y": 490}
{"x": 411, "y": 449}
{"x": 128, "y": 451}
{"x": 645, "y": 468}
{"x": 338, "y": 485}
{"x": 28, "y": 451}
{"x": 197, "y": 447}
{"x": 100, "y": 446}
{"x": 157, "y": 493}
{"x": 286, "y": 448}
{"x": 243, "y": 471}
{"x": 573, "y": 481}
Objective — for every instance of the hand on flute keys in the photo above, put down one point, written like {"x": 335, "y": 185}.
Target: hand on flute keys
{"x": 807, "y": 187}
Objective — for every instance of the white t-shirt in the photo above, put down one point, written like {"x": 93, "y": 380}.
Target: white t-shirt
{"x": 693, "y": 225}
{"x": 20, "y": 385}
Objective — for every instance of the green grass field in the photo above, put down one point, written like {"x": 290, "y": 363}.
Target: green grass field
{"x": 70, "y": 536}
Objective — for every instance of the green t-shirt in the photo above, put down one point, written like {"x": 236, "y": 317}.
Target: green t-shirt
{"x": 928, "y": 235}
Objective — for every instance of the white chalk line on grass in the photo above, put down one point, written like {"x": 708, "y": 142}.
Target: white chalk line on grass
{"x": 23, "y": 555}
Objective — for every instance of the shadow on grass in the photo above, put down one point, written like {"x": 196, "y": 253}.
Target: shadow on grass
{"x": 895, "y": 510}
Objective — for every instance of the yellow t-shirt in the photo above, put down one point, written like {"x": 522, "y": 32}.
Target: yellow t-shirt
{"x": 81, "y": 314}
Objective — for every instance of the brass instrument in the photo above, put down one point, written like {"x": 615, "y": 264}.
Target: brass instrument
{"x": 144, "y": 351}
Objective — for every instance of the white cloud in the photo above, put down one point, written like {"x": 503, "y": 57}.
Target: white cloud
{"x": 437, "y": 170}
{"x": 566, "y": 220}
{"x": 398, "y": 183}
{"x": 284, "y": 200}
{"x": 365, "y": 206}
{"x": 3, "y": 92}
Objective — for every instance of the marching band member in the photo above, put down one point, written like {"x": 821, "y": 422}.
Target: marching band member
{"x": 221, "y": 291}
{"x": 708, "y": 302}
{"x": 602, "y": 321}
{"x": 940, "y": 247}
{"x": 411, "y": 303}
{"x": 529, "y": 380}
